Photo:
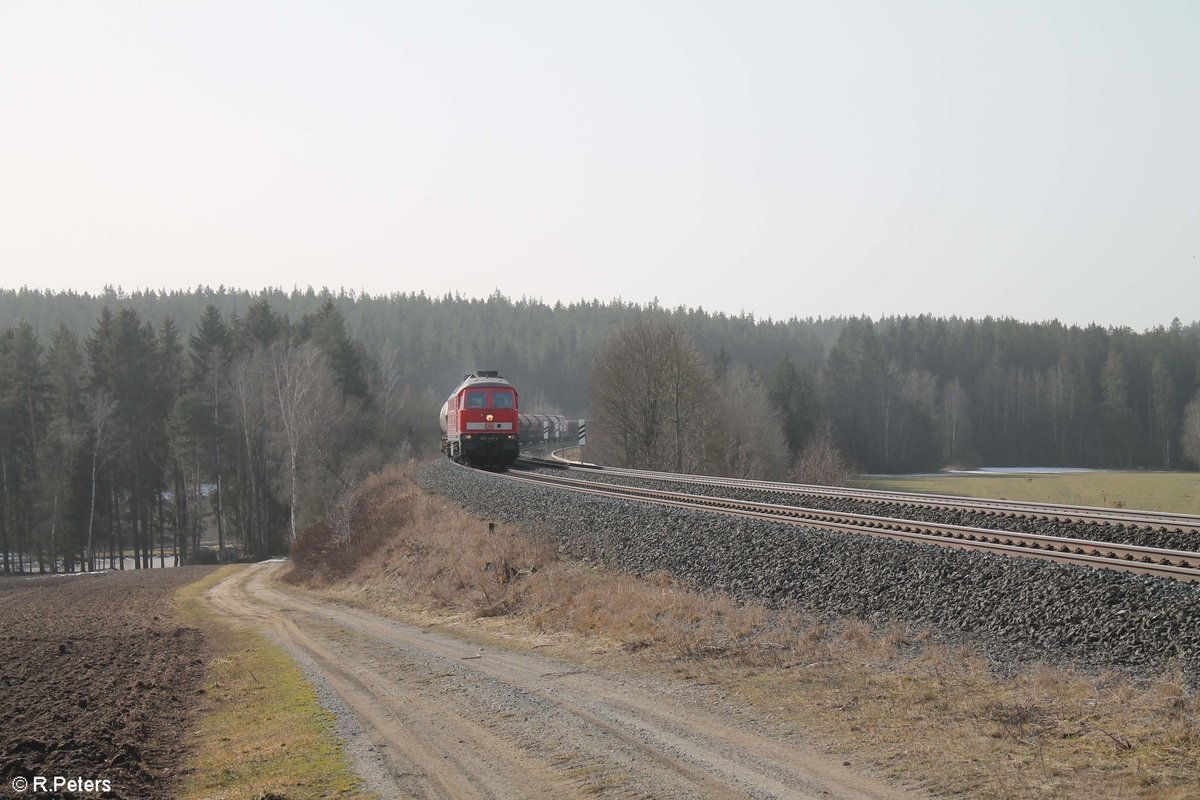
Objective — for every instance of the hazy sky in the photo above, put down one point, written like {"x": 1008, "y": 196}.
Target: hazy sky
{"x": 1029, "y": 159}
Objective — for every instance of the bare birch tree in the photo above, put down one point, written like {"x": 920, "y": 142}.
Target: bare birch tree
{"x": 301, "y": 392}
{"x": 388, "y": 391}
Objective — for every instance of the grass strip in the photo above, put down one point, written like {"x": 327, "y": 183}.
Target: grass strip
{"x": 1153, "y": 491}
{"x": 261, "y": 732}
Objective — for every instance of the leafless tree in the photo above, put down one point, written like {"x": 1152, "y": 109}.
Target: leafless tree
{"x": 746, "y": 438}
{"x": 340, "y": 516}
{"x": 1191, "y": 430}
{"x": 389, "y": 383}
{"x": 533, "y": 401}
{"x": 303, "y": 395}
{"x": 821, "y": 462}
{"x": 956, "y": 418}
{"x": 649, "y": 394}
{"x": 689, "y": 401}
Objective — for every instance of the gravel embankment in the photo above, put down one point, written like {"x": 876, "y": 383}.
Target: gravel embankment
{"x": 1016, "y": 609}
{"x": 1125, "y": 534}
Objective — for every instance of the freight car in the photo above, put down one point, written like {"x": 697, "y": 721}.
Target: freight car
{"x": 479, "y": 421}
{"x": 536, "y": 429}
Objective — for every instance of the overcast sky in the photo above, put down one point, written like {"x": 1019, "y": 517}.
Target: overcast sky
{"x": 1028, "y": 159}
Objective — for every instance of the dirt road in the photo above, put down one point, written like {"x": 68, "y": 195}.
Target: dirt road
{"x": 445, "y": 718}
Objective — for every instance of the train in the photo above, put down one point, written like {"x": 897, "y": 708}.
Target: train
{"x": 538, "y": 429}
{"x": 482, "y": 426}
{"x": 479, "y": 421}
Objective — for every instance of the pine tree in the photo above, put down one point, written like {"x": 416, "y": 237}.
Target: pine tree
{"x": 211, "y": 353}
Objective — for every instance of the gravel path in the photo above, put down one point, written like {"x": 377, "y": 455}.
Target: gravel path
{"x": 441, "y": 717}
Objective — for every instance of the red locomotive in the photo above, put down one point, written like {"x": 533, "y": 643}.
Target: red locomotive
{"x": 479, "y": 421}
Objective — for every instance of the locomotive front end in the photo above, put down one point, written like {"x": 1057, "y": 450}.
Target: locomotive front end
{"x": 480, "y": 421}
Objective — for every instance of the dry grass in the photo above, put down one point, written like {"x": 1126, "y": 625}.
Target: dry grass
{"x": 891, "y": 700}
{"x": 1156, "y": 491}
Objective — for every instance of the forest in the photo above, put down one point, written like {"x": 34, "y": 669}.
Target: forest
{"x": 132, "y": 425}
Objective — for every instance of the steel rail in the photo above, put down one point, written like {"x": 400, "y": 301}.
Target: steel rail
{"x": 1177, "y": 564}
{"x": 1000, "y": 508}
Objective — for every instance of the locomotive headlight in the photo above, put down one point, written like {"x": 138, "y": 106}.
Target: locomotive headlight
{"x": 489, "y": 418}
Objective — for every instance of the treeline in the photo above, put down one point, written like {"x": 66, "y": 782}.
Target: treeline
{"x": 901, "y": 395}
{"x": 915, "y": 393}
{"x": 131, "y": 443}
{"x": 546, "y": 350}
{"x": 895, "y": 395}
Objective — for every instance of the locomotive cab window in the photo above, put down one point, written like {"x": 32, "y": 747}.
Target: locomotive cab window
{"x": 477, "y": 399}
{"x": 502, "y": 399}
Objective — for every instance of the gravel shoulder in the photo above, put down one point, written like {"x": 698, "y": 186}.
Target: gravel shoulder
{"x": 435, "y": 716}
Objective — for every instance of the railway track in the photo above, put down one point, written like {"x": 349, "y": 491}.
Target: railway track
{"x": 1175, "y": 564}
{"x": 1015, "y": 509}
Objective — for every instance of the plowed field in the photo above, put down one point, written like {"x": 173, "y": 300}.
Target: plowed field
{"x": 98, "y": 679}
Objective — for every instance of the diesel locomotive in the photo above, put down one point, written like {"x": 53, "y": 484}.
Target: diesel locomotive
{"x": 482, "y": 427}
{"x": 479, "y": 421}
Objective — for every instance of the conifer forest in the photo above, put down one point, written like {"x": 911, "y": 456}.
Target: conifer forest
{"x": 157, "y": 428}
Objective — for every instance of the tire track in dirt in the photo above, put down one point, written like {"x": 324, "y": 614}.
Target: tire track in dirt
{"x": 455, "y": 720}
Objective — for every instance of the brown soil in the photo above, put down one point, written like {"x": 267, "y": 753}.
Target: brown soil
{"x": 99, "y": 679}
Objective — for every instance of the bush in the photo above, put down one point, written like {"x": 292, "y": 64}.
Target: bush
{"x": 357, "y": 524}
{"x": 821, "y": 462}
{"x": 205, "y": 556}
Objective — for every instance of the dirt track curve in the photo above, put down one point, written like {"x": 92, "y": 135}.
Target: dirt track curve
{"x": 445, "y": 718}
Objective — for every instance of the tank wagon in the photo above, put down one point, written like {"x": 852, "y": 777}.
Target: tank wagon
{"x": 536, "y": 429}
{"x": 479, "y": 421}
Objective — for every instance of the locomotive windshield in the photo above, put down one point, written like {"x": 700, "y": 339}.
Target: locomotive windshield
{"x": 477, "y": 399}
{"x": 502, "y": 399}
